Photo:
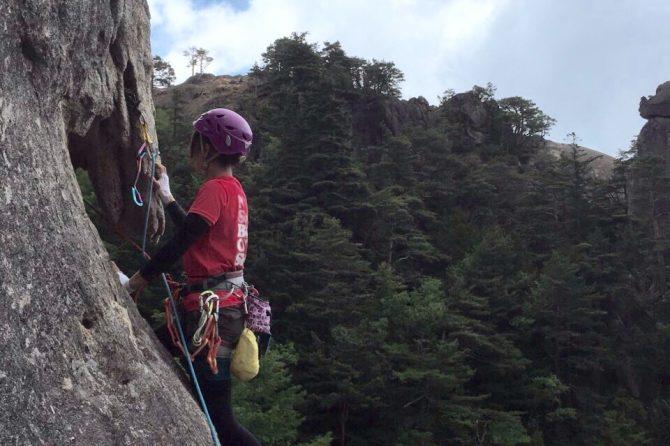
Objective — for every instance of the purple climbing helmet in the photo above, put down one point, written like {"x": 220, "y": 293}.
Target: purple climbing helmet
{"x": 229, "y": 133}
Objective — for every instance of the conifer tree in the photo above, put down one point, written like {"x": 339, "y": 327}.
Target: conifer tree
{"x": 568, "y": 337}
{"x": 163, "y": 74}
{"x": 527, "y": 125}
{"x": 268, "y": 406}
{"x": 314, "y": 165}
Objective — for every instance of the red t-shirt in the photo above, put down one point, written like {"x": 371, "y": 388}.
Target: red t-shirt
{"x": 222, "y": 202}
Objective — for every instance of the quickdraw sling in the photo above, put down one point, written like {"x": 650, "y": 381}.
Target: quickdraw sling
{"x": 207, "y": 331}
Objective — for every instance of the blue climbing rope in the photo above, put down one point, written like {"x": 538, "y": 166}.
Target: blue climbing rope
{"x": 182, "y": 338}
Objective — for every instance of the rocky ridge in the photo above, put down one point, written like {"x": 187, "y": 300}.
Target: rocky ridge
{"x": 602, "y": 164}
{"x": 372, "y": 118}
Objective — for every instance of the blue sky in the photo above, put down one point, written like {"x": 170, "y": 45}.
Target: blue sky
{"x": 239, "y": 5}
{"x": 586, "y": 63}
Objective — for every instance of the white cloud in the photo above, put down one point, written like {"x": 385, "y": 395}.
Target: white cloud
{"x": 427, "y": 39}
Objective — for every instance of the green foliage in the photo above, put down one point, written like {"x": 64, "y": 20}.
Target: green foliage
{"x": 163, "y": 74}
{"x": 527, "y": 125}
{"x": 268, "y": 405}
{"x": 622, "y": 423}
{"x": 485, "y": 93}
{"x": 524, "y": 117}
{"x": 382, "y": 78}
{"x": 508, "y": 431}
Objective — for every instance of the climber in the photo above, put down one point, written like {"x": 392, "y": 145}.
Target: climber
{"x": 211, "y": 240}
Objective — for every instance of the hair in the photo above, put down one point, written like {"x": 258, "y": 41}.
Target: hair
{"x": 211, "y": 155}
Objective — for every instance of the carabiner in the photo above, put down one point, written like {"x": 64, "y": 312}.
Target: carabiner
{"x": 141, "y": 151}
{"x": 137, "y": 197}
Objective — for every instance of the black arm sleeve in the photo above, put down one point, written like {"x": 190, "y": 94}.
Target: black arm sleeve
{"x": 176, "y": 213}
{"x": 193, "y": 228}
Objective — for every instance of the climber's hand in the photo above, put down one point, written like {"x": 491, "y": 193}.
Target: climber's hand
{"x": 122, "y": 277}
{"x": 162, "y": 185}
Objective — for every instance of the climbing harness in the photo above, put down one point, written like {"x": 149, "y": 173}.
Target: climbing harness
{"x": 207, "y": 331}
{"x": 257, "y": 315}
{"x": 154, "y": 154}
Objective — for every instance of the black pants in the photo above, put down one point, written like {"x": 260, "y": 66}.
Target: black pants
{"x": 216, "y": 388}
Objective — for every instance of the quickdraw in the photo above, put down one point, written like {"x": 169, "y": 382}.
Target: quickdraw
{"x": 175, "y": 289}
{"x": 207, "y": 331}
{"x": 137, "y": 196}
{"x": 139, "y": 156}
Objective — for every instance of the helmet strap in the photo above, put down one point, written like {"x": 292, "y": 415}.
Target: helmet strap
{"x": 211, "y": 158}
{"x": 204, "y": 154}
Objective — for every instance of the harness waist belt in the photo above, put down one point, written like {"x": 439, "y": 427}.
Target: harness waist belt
{"x": 211, "y": 282}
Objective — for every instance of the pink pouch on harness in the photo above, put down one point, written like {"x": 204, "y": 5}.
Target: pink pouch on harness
{"x": 259, "y": 313}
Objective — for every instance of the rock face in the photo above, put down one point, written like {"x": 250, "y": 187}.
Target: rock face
{"x": 657, "y": 106}
{"x": 78, "y": 365}
{"x": 473, "y": 115}
{"x": 602, "y": 165}
{"x": 649, "y": 196}
{"x": 374, "y": 117}
{"x": 202, "y": 92}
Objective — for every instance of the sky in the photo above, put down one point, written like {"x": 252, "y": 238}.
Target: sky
{"x": 586, "y": 63}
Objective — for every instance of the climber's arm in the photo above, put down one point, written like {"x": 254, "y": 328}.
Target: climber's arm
{"x": 193, "y": 228}
{"x": 176, "y": 213}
